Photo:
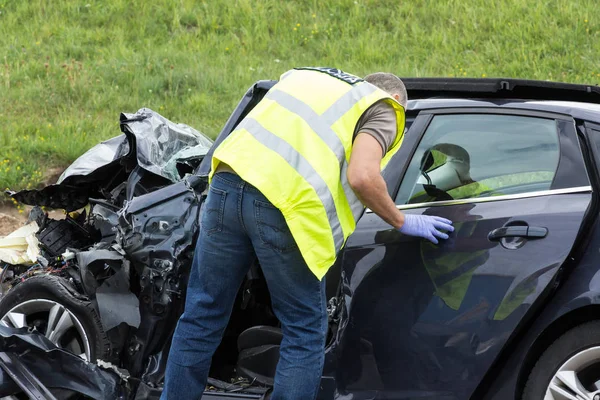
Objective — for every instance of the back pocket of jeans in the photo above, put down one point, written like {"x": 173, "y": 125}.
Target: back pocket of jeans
{"x": 212, "y": 220}
{"x": 272, "y": 228}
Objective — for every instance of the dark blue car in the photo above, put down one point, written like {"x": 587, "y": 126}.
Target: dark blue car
{"x": 507, "y": 308}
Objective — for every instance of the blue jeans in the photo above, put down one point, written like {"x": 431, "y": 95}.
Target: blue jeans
{"x": 238, "y": 224}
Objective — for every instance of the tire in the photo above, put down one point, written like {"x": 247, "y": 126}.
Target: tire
{"x": 49, "y": 291}
{"x": 579, "y": 345}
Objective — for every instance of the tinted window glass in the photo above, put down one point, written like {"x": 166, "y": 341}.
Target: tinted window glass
{"x": 480, "y": 155}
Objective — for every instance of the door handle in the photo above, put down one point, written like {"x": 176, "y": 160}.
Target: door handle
{"x": 529, "y": 232}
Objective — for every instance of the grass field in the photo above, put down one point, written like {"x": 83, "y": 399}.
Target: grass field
{"x": 69, "y": 67}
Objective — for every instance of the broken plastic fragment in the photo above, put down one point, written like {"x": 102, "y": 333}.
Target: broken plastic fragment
{"x": 21, "y": 246}
{"x": 68, "y": 255}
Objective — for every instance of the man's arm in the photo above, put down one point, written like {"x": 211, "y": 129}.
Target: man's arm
{"x": 364, "y": 177}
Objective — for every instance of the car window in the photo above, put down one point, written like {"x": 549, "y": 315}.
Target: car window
{"x": 481, "y": 155}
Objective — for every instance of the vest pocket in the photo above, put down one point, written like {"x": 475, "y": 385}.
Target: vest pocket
{"x": 212, "y": 220}
{"x": 272, "y": 228}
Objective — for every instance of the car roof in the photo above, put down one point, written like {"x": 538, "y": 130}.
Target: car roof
{"x": 579, "y": 110}
{"x": 579, "y": 101}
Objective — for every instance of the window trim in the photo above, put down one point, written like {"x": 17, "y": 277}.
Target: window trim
{"x": 520, "y": 112}
{"x": 541, "y": 193}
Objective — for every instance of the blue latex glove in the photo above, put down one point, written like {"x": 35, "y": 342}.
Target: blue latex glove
{"x": 426, "y": 226}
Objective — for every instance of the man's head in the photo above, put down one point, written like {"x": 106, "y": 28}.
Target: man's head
{"x": 391, "y": 84}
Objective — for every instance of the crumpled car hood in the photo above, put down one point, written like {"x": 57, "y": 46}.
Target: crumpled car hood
{"x": 159, "y": 143}
{"x": 149, "y": 141}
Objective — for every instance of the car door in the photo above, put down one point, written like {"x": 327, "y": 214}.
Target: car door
{"x": 427, "y": 321}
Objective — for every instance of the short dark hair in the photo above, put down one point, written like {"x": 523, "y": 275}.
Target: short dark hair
{"x": 390, "y": 83}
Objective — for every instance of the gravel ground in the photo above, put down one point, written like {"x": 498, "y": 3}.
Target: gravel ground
{"x": 8, "y": 222}
{"x": 11, "y": 220}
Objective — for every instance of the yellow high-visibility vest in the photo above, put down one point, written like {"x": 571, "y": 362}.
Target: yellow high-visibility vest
{"x": 295, "y": 145}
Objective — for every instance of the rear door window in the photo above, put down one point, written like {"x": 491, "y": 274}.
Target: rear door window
{"x": 480, "y": 155}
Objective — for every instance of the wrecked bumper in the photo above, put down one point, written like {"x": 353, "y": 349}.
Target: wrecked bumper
{"x": 32, "y": 364}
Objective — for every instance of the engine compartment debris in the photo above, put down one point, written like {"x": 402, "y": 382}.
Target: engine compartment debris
{"x": 108, "y": 280}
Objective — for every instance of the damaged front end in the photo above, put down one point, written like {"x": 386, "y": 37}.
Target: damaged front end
{"x": 106, "y": 284}
{"x": 157, "y": 231}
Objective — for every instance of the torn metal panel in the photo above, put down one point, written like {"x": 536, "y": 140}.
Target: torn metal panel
{"x": 161, "y": 144}
{"x": 69, "y": 198}
{"x": 157, "y": 231}
{"x": 57, "y": 368}
{"x": 104, "y": 218}
{"x": 90, "y": 257}
{"x": 116, "y": 303}
{"x": 98, "y": 156}
{"x": 94, "y": 262}
{"x": 160, "y": 241}
{"x": 20, "y": 374}
{"x": 96, "y": 172}
{"x": 105, "y": 275}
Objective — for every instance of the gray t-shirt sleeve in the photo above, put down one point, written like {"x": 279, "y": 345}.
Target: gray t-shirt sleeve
{"x": 379, "y": 121}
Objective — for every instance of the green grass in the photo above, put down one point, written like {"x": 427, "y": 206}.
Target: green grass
{"x": 68, "y": 68}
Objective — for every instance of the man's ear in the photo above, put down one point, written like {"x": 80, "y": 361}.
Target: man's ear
{"x": 396, "y": 96}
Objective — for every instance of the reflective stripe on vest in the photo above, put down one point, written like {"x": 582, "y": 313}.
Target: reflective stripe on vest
{"x": 303, "y": 167}
{"x": 322, "y": 125}
{"x": 295, "y": 145}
